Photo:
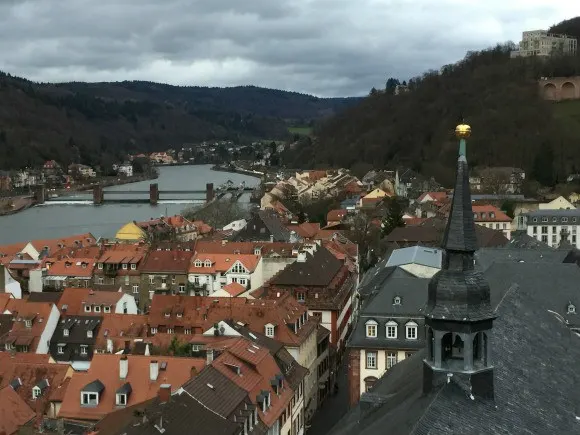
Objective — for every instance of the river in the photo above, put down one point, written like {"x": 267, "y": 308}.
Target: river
{"x": 53, "y": 220}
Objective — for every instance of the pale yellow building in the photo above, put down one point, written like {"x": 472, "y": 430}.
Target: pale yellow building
{"x": 542, "y": 43}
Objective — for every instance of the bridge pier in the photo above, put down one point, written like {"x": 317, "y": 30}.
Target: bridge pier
{"x": 209, "y": 193}
{"x": 98, "y": 195}
{"x": 153, "y": 193}
{"x": 40, "y": 195}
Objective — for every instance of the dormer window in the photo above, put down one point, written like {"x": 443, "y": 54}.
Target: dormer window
{"x": 392, "y": 329}
{"x": 544, "y": 219}
{"x": 269, "y": 330}
{"x": 121, "y": 400}
{"x": 107, "y": 309}
{"x": 397, "y": 300}
{"x": 167, "y": 314}
{"x": 97, "y": 308}
{"x": 100, "y": 266}
{"x": 133, "y": 266}
{"x": 492, "y": 214}
{"x": 124, "y": 266}
{"x": 571, "y": 309}
{"x": 483, "y": 215}
{"x": 153, "y": 331}
{"x": 411, "y": 330}
{"x": 87, "y": 308}
{"x": 65, "y": 332}
{"x": 28, "y": 323}
{"x": 84, "y": 265}
{"x": 90, "y": 393}
{"x": 475, "y": 216}
{"x": 554, "y": 219}
{"x": 371, "y": 329}
{"x": 198, "y": 263}
{"x": 89, "y": 334}
{"x": 36, "y": 392}
{"x": 60, "y": 348}
{"x": 238, "y": 268}
{"x": 84, "y": 348}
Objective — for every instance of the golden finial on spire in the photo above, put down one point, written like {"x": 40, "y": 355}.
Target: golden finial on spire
{"x": 463, "y": 131}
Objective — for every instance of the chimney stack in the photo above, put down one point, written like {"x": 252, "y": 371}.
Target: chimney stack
{"x": 164, "y": 393}
{"x": 123, "y": 367}
{"x": 209, "y": 356}
{"x": 153, "y": 370}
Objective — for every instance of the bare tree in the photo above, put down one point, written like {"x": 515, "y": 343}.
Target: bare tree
{"x": 218, "y": 213}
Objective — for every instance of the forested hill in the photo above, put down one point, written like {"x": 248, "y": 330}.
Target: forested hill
{"x": 496, "y": 95}
{"x": 98, "y": 124}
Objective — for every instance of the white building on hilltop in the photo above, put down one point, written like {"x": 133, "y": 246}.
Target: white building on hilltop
{"x": 542, "y": 43}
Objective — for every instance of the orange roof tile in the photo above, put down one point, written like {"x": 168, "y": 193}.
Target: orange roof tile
{"x": 86, "y": 239}
{"x": 235, "y": 289}
{"x": 306, "y": 230}
{"x": 81, "y": 267}
{"x": 483, "y": 213}
{"x": 4, "y": 299}
{"x": 14, "y": 412}
{"x": 172, "y": 261}
{"x": 222, "y": 262}
{"x": 22, "y": 310}
{"x": 119, "y": 328}
{"x": 437, "y": 196}
{"x": 105, "y": 368}
{"x": 76, "y": 298}
{"x": 123, "y": 253}
{"x": 336, "y": 215}
{"x": 202, "y": 227}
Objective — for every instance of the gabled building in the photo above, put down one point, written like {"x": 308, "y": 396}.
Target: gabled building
{"x": 74, "y": 339}
{"x": 67, "y": 272}
{"x": 121, "y": 381}
{"x": 418, "y": 261}
{"x": 87, "y": 302}
{"x": 211, "y": 272}
{"x": 164, "y": 272}
{"x": 492, "y": 217}
{"x": 119, "y": 265}
{"x": 16, "y": 412}
{"x": 120, "y": 332}
{"x": 265, "y": 226}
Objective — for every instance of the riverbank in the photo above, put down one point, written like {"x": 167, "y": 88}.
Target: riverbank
{"x": 106, "y": 182}
{"x": 9, "y": 206}
{"x": 237, "y": 170}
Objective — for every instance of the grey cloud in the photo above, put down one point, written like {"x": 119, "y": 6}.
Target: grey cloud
{"x": 325, "y": 47}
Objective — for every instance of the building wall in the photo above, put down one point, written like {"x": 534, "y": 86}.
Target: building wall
{"x": 353, "y": 377}
{"x": 51, "y": 324}
{"x": 560, "y": 88}
{"x": 381, "y": 365}
{"x": 553, "y": 233}
{"x": 559, "y": 203}
{"x": 269, "y": 267}
{"x": 419, "y": 270}
{"x": 504, "y": 227}
{"x": 127, "y": 302}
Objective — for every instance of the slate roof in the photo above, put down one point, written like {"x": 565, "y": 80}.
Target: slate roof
{"x": 430, "y": 257}
{"x": 535, "y": 392}
{"x": 319, "y": 269}
{"x": 520, "y": 239}
{"x": 485, "y": 257}
{"x": 78, "y": 328}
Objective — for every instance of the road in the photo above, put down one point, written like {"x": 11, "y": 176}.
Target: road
{"x": 334, "y": 408}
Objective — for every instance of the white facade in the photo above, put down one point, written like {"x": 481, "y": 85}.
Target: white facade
{"x": 559, "y": 203}
{"x": 236, "y": 225}
{"x": 542, "y": 43}
{"x": 213, "y": 281}
{"x": 126, "y": 305}
{"x": 11, "y": 285}
{"x": 382, "y": 359}
{"x": 51, "y": 324}
{"x": 126, "y": 169}
{"x": 547, "y": 226}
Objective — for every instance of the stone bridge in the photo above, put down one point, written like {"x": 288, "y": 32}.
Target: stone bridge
{"x": 560, "y": 88}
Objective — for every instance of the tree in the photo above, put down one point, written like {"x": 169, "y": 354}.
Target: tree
{"x": 366, "y": 234}
{"x": 391, "y": 85}
{"x": 509, "y": 208}
{"x": 393, "y": 217}
{"x": 176, "y": 348}
{"x": 543, "y": 167}
{"x": 217, "y": 214}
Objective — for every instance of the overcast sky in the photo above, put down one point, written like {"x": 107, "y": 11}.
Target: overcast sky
{"x": 322, "y": 47}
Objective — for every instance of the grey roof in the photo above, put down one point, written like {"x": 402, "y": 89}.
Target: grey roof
{"x": 535, "y": 391}
{"x": 520, "y": 239}
{"x": 224, "y": 398}
{"x": 318, "y": 270}
{"x": 94, "y": 387}
{"x": 485, "y": 257}
{"x": 554, "y": 212}
{"x": 430, "y": 257}
{"x": 460, "y": 231}
{"x": 16, "y": 383}
{"x": 43, "y": 384}
{"x": 124, "y": 389}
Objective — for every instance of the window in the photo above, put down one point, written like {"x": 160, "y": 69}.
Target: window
{"x": 554, "y": 230}
{"x": 65, "y": 332}
{"x": 408, "y": 354}
{"x": 126, "y": 279}
{"x": 544, "y": 219}
{"x": 571, "y": 309}
{"x": 124, "y": 266}
{"x": 554, "y": 238}
{"x": 135, "y": 289}
{"x": 371, "y": 359}
{"x": 397, "y": 300}
{"x": 504, "y": 226}
{"x": 243, "y": 281}
{"x": 91, "y": 399}
{"x": 28, "y": 323}
{"x": 369, "y": 383}
{"x": 36, "y": 393}
{"x": 371, "y": 326}
{"x": 195, "y": 347}
{"x": 300, "y": 296}
{"x": 238, "y": 268}
{"x": 170, "y": 330}
{"x": 84, "y": 348}
{"x": 181, "y": 288}
{"x": 535, "y": 229}
{"x": 564, "y": 219}
{"x": 269, "y": 331}
{"x": 187, "y": 331}
{"x": 153, "y": 331}
{"x": 100, "y": 280}
{"x": 411, "y": 331}
{"x": 133, "y": 266}
{"x": 492, "y": 214}
{"x": 87, "y": 308}
{"x": 173, "y": 280}
{"x": 535, "y": 219}
{"x": 544, "y": 230}
{"x": 198, "y": 263}
{"x": 391, "y": 359}
{"x": 151, "y": 279}
{"x": 163, "y": 280}
{"x": 483, "y": 215}
{"x": 545, "y": 238}
{"x": 554, "y": 219}
{"x": 391, "y": 329}
{"x": 206, "y": 264}
{"x": 121, "y": 399}
{"x": 89, "y": 334}
{"x": 100, "y": 266}
{"x": 97, "y": 308}
{"x": 60, "y": 349}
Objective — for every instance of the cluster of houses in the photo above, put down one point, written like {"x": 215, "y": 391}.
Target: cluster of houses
{"x": 243, "y": 333}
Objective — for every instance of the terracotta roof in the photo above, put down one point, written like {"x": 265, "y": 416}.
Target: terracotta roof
{"x": 307, "y": 230}
{"x": 203, "y": 312}
{"x": 30, "y": 373}
{"x": 22, "y": 310}
{"x": 121, "y": 328}
{"x": 483, "y": 213}
{"x": 202, "y": 227}
{"x": 234, "y": 289}
{"x": 413, "y": 221}
{"x": 437, "y": 196}
{"x": 82, "y": 267}
{"x": 223, "y": 262}
{"x": 252, "y": 368}
{"x": 4, "y": 299}
{"x": 123, "y": 253}
{"x": 161, "y": 341}
{"x": 336, "y": 215}
{"x": 14, "y": 412}
{"x": 92, "y": 252}
{"x": 13, "y": 249}
{"x": 173, "y": 261}
{"x": 105, "y": 369}
{"x": 76, "y": 298}
{"x": 227, "y": 247}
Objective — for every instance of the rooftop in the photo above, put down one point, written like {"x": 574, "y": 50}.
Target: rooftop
{"x": 430, "y": 257}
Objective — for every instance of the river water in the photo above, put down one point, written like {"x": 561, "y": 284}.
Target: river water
{"x": 53, "y": 220}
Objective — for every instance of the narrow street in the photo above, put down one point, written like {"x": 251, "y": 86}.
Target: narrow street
{"x": 335, "y": 406}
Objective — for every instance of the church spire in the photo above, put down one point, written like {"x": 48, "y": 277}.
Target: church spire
{"x": 458, "y": 315}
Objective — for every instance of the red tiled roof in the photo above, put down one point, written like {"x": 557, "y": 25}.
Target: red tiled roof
{"x": 4, "y": 299}
{"x": 82, "y": 267}
{"x": 202, "y": 227}
{"x": 123, "y": 253}
{"x": 105, "y": 368}
{"x": 121, "y": 328}
{"x": 222, "y": 262}
{"x": 173, "y": 261}
{"x": 413, "y": 221}
{"x": 76, "y": 298}
{"x": 22, "y": 310}
{"x": 336, "y": 215}
{"x": 234, "y": 289}
{"x": 437, "y": 196}
{"x": 483, "y": 213}
{"x": 14, "y": 412}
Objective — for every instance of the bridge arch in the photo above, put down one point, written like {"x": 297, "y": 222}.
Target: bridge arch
{"x": 550, "y": 92}
{"x": 568, "y": 91}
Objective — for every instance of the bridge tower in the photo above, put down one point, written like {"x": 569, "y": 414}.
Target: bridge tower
{"x": 209, "y": 193}
{"x": 98, "y": 195}
{"x": 153, "y": 194}
{"x": 40, "y": 194}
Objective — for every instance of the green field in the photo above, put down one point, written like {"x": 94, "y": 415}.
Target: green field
{"x": 302, "y": 131}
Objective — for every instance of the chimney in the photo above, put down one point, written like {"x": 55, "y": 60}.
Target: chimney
{"x": 271, "y": 238}
{"x": 147, "y": 351}
{"x": 153, "y": 370}
{"x": 123, "y": 367}
{"x": 164, "y": 393}
{"x": 209, "y": 356}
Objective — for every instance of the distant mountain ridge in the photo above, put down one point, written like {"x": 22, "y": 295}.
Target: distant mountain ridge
{"x": 99, "y": 123}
